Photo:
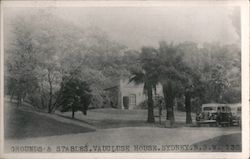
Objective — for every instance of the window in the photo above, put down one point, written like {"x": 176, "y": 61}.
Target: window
{"x": 223, "y": 109}
{"x": 219, "y": 110}
{"x": 208, "y": 108}
{"x": 132, "y": 99}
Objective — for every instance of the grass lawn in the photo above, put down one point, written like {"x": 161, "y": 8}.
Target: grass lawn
{"x": 115, "y": 127}
{"x": 22, "y": 124}
{"x": 116, "y": 118}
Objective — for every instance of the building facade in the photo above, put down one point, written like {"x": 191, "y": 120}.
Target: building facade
{"x": 127, "y": 95}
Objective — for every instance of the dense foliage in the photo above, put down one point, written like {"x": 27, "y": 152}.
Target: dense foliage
{"x": 75, "y": 95}
{"x": 43, "y": 50}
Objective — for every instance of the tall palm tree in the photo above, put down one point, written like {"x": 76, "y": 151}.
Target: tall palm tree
{"x": 141, "y": 77}
{"x": 172, "y": 75}
{"x": 148, "y": 76}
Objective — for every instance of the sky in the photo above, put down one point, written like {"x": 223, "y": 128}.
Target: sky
{"x": 146, "y": 26}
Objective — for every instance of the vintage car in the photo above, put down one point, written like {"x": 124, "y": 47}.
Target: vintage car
{"x": 236, "y": 113}
{"x": 215, "y": 114}
{"x": 224, "y": 116}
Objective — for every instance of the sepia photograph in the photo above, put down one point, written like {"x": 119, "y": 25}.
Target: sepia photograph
{"x": 131, "y": 78}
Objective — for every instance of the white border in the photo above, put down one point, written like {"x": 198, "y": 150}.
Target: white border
{"x": 245, "y": 76}
{"x": 1, "y": 83}
{"x": 113, "y": 3}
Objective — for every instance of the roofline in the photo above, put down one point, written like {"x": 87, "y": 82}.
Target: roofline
{"x": 111, "y": 87}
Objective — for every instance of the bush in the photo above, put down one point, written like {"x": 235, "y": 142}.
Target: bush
{"x": 143, "y": 105}
{"x": 157, "y": 101}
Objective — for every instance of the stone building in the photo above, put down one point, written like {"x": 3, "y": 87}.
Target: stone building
{"x": 127, "y": 95}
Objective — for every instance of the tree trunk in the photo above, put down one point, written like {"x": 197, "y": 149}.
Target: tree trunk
{"x": 19, "y": 100}
{"x": 42, "y": 101}
{"x": 151, "y": 118}
{"x": 23, "y": 97}
{"x": 73, "y": 112}
{"x": 84, "y": 109}
{"x": 169, "y": 103}
{"x": 50, "y": 93}
{"x": 56, "y": 103}
{"x": 12, "y": 95}
{"x": 170, "y": 110}
{"x": 188, "y": 107}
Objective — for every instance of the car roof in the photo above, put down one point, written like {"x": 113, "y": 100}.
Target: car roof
{"x": 212, "y": 105}
{"x": 235, "y": 105}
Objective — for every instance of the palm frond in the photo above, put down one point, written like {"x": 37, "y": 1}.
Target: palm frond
{"x": 138, "y": 77}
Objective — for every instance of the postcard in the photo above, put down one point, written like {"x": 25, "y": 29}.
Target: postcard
{"x": 124, "y": 79}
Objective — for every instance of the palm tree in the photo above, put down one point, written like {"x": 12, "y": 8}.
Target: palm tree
{"x": 172, "y": 75}
{"x": 194, "y": 87}
{"x": 141, "y": 77}
{"x": 148, "y": 76}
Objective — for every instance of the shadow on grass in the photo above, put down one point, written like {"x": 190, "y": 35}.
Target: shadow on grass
{"x": 20, "y": 124}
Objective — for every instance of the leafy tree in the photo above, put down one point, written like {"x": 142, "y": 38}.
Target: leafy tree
{"x": 57, "y": 48}
{"x": 217, "y": 83}
{"x": 220, "y": 72}
{"x": 75, "y": 95}
{"x": 21, "y": 64}
{"x": 193, "y": 86}
{"x": 213, "y": 74}
{"x": 48, "y": 68}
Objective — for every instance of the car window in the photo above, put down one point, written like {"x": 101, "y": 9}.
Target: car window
{"x": 219, "y": 109}
{"x": 223, "y": 109}
{"x": 207, "y": 108}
